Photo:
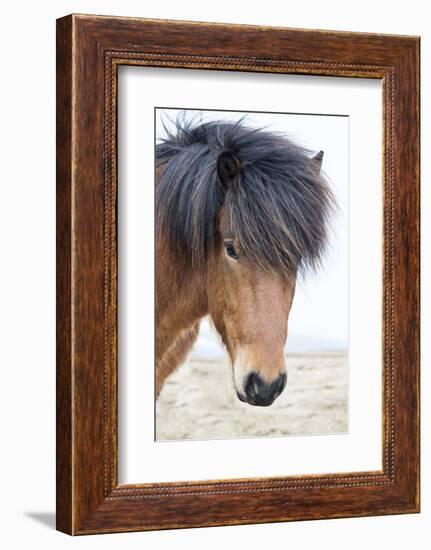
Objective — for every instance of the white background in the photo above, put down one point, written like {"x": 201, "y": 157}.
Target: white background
{"x": 141, "y": 459}
{"x": 27, "y": 213}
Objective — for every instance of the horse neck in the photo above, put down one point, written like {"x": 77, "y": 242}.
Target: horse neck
{"x": 181, "y": 298}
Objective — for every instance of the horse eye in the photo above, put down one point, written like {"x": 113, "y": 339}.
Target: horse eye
{"x": 230, "y": 250}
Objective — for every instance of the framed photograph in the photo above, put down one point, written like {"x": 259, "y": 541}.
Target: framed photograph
{"x": 237, "y": 274}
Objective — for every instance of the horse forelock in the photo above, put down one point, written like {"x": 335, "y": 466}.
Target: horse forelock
{"x": 278, "y": 205}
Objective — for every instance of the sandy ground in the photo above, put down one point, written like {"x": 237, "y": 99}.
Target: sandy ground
{"x": 199, "y": 401}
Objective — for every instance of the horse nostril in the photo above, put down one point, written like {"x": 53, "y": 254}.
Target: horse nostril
{"x": 261, "y": 393}
{"x": 251, "y": 387}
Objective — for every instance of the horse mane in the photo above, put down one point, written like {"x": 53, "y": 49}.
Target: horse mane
{"x": 278, "y": 203}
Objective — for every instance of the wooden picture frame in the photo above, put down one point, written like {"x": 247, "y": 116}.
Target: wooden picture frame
{"x": 89, "y": 51}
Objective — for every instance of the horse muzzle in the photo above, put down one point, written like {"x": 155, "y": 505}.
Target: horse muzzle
{"x": 259, "y": 392}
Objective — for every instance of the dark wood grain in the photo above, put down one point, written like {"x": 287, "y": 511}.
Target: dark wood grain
{"x": 64, "y": 288}
{"x": 90, "y": 49}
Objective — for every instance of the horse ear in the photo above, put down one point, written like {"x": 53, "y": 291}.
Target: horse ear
{"x": 316, "y": 162}
{"x": 228, "y": 168}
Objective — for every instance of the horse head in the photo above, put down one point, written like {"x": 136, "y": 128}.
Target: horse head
{"x": 250, "y": 210}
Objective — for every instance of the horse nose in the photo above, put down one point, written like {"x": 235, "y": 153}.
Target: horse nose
{"x": 261, "y": 393}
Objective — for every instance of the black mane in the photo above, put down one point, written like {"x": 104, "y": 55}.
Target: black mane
{"x": 278, "y": 202}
